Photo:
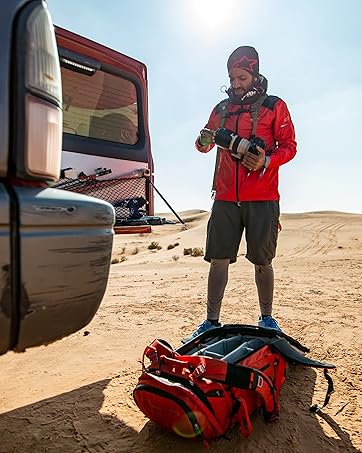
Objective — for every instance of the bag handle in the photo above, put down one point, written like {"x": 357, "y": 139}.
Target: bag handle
{"x": 242, "y": 417}
{"x": 235, "y": 376}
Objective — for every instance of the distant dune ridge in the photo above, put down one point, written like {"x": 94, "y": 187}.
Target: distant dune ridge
{"x": 76, "y": 395}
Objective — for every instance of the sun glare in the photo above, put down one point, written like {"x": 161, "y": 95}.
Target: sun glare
{"x": 210, "y": 15}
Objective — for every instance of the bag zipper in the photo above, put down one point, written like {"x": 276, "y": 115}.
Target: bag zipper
{"x": 160, "y": 392}
{"x": 192, "y": 387}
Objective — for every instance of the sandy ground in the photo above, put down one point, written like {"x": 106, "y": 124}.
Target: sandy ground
{"x": 76, "y": 395}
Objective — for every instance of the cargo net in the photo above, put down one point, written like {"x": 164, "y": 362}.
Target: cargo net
{"x": 128, "y": 194}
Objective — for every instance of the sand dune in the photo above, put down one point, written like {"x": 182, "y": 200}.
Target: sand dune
{"x": 76, "y": 395}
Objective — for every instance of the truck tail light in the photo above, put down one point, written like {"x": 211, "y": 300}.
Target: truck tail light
{"x": 43, "y": 138}
{"x": 39, "y": 99}
{"x": 42, "y": 60}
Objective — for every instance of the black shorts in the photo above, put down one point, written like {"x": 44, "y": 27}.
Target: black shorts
{"x": 226, "y": 226}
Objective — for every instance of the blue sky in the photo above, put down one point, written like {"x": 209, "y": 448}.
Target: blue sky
{"x": 309, "y": 51}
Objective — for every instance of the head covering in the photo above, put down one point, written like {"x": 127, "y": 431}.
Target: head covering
{"x": 244, "y": 57}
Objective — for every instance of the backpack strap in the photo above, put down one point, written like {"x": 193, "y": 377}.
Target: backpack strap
{"x": 242, "y": 417}
{"x": 254, "y": 112}
{"x": 330, "y": 389}
{"x": 222, "y": 107}
{"x": 235, "y": 376}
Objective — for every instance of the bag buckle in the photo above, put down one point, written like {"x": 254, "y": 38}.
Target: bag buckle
{"x": 199, "y": 371}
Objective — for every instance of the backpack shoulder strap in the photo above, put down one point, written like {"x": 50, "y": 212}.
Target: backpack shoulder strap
{"x": 222, "y": 108}
{"x": 293, "y": 355}
{"x": 264, "y": 100}
{"x": 217, "y": 160}
{"x": 254, "y": 112}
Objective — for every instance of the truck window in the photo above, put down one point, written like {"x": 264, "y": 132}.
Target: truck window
{"x": 101, "y": 105}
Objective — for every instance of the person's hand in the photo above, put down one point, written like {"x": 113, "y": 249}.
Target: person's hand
{"x": 206, "y": 137}
{"x": 253, "y": 162}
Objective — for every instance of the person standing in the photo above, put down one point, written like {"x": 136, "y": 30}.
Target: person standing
{"x": 246, "y": 194}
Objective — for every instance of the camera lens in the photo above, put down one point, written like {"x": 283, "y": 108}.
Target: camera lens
{"x": 227, "y": 139}
{"x": 223, "y": 138}
{"x": 234, "y": 144}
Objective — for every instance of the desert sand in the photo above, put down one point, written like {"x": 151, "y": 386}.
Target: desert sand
{"x": 76, "y": 395}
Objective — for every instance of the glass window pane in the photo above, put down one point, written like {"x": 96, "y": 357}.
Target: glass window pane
{"x": 102, "y": 106}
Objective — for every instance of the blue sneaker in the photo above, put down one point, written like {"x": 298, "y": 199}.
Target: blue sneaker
{"x": 269, "y": 323}
{"x": 205, "y": 326}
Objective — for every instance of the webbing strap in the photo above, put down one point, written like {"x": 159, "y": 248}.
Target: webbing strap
{"x": 241, "y": 377}
{"x": 217, "y": 160}
{"x": 254, "y": 113}
{"x": 224, "y": 114}
{"x": 223, "y": 111}
{"x": 242, "y": 416}
{"x": 235, "y": 376}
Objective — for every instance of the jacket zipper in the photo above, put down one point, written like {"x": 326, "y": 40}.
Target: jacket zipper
{"x": 237, "y": 165}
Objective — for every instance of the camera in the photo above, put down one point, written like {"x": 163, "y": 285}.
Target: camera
{"x": 229, "y": 140}
{"x": 237, "y": 145}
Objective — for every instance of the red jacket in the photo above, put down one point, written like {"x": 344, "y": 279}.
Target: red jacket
{"x": 233, "y": 181}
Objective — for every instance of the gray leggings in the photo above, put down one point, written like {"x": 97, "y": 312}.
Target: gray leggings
{"x": 218, "y": 278}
